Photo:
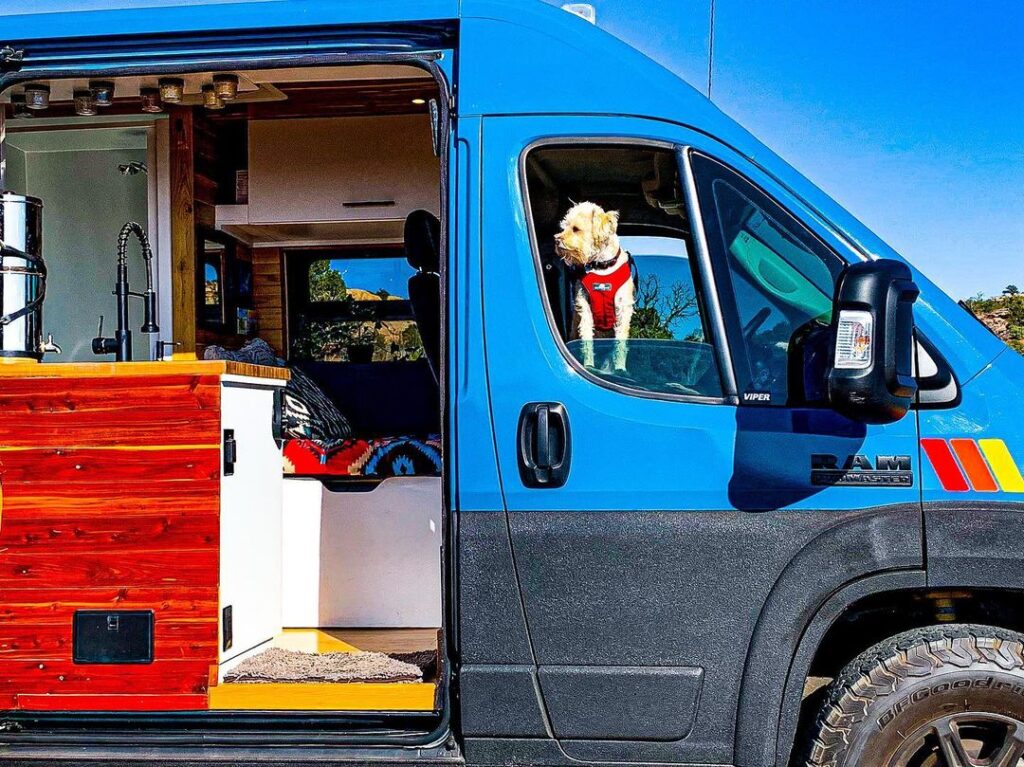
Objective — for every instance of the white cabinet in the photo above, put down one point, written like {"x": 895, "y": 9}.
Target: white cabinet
{"x": 250, "y": 517}
{"x": 363, "y": 560}
{"x": 341, "y": 169}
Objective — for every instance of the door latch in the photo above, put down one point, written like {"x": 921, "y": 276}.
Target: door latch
{"x": 230, "y": 452}
{"x": 545, "y": 444}
{"x": 227, "y": 628}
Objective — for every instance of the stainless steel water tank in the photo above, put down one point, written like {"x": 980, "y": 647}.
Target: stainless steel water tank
{"x": 22, "y": 277}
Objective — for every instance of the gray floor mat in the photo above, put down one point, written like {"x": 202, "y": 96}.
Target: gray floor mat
{"x": 279, "y": 665}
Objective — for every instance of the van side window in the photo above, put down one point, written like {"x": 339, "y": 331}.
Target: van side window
{"x": 352, "y": 306}
{"x": 775, "y": 281}
{"x": 629, "y": 311}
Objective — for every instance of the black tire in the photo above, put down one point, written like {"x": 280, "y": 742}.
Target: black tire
{"x": 943, "y": 696}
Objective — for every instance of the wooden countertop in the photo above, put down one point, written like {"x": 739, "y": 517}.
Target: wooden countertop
{"x": 139, "y": 369}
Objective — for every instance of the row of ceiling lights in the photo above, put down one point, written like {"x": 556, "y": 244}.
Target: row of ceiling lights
{"x": 100, "y": 93}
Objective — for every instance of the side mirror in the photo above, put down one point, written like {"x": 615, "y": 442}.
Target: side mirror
{"x": 871, "y": 378}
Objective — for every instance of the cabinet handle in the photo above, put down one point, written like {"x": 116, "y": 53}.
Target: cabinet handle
{"x": 230, "y": 452}
{"x": 369, "y": 204}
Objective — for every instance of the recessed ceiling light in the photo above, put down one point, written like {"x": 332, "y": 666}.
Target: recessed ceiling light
{"x": 226, "y": 86}
{"x": 102, "y": 92}
{"x": 419, "y": 102}
{"x": 210, "y": 98}
{"x": 37, "y": 96}
{"x": 85, "y": 103}
{"x": 172, "y": 89}
{"x": 150, "y": 100}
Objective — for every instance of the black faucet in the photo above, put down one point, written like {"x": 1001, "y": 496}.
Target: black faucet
{"x": 121, "y": 344}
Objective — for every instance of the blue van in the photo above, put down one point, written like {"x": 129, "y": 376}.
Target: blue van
{"x": 785, "y": 530}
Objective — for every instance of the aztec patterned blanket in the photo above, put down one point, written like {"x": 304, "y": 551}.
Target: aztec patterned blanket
{"x": 354, "y": 457}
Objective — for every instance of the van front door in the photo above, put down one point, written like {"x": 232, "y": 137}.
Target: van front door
{"x": 657, "y": 504}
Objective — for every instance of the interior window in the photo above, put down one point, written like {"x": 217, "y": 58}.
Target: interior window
{"x": 665, "y": 346}
{"x": 354, "y": 307}
{"x": 775, "y": 279}
{"x": 213, "y": 284}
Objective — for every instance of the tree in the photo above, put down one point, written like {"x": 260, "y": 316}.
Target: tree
{"x": 1004, "y": 315}
{"x": 656, "y": 309}
{"x": 326, "y": 282}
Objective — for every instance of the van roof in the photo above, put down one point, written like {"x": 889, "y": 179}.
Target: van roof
{"x": 52, "y": 19}
{"x": 517, "y": 56}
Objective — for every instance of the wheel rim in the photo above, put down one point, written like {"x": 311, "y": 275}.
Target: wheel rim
{"x": 964, "y": 740}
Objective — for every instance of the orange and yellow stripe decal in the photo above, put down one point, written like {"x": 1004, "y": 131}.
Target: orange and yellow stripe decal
{"x": 985, "y": 465}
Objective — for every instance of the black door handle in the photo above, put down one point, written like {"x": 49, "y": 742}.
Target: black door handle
{"x": 545, "y": 444}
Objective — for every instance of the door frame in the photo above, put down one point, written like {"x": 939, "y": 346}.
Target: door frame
{"x": 54, "y": 733}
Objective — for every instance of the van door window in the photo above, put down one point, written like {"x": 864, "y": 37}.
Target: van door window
{"x": 775, "y": 279}
{"x": 664, "y": 347}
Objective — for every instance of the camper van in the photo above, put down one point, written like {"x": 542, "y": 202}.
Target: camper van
{"x": 373, "y": 391}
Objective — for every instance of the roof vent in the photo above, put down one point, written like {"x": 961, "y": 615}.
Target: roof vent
{"x": 583, "y": 10}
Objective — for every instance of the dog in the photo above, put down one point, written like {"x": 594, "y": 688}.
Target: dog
{"x": 604, "y": 290}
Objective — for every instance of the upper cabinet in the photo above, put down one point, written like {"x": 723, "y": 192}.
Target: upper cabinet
{"x": 335, "y": 179}
{"x": 340, "y": 169}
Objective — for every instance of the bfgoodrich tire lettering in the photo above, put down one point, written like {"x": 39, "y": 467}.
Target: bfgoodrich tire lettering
{"x": 945, "y": 696}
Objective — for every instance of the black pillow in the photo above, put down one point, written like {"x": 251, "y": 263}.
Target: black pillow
{"x": 308, "y": 412}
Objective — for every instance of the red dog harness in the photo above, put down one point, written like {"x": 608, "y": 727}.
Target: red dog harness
{"x": 601, "y": 290}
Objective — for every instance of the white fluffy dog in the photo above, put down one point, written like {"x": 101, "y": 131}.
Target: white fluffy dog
{"x": 604, "y": 291}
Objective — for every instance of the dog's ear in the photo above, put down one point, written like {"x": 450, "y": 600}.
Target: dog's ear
{"x": 605, "y": 224}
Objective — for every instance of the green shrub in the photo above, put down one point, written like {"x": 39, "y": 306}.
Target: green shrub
{"x": 995, "y": 311}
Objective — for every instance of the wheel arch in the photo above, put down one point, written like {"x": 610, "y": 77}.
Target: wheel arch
{"x": 875, "y": 550}
{"x": 779, "y": 749}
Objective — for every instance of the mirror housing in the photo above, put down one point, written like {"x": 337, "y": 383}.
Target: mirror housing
{"x": 871, "y": 377}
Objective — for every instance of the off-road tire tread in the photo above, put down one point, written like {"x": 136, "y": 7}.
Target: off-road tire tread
{"x": 881, "y": 670}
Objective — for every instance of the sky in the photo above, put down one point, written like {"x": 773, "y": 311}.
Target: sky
{"x": 909, "y": 113}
